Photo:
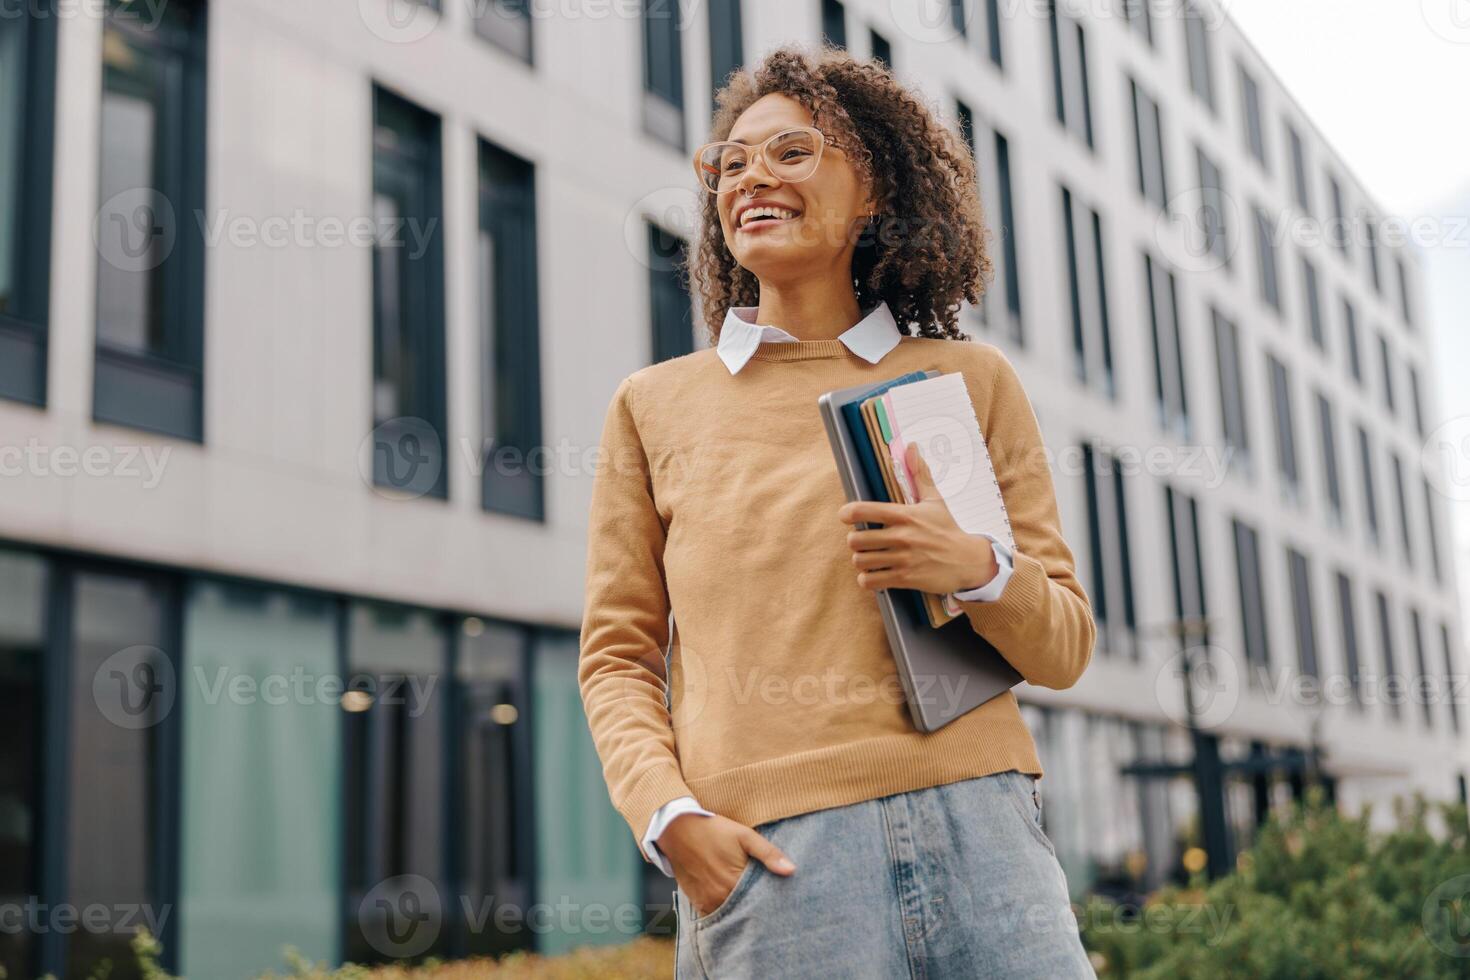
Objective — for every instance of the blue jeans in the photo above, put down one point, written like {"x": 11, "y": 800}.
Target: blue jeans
{"x": 955, "y": 880}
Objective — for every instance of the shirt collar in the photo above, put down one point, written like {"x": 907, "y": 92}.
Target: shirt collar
{"x": 870, "y": 338}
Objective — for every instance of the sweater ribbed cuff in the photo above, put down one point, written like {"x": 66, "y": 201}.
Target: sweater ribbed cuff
{"x": 654, "y": 788}
{"x": 1021, "y": 597}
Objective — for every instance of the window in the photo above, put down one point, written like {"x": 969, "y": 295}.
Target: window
{"x": 1010, "y": 254}
{"x": 1170, "y": 387}
{"x": 1348, "y": 621}
{"x": 1091, "y": 337}
{"x": 509, "y": 336}
{"x": 1140, "y": 18}
{"x": 1420, "y": 689}
{"x": 1451, "y": 672}
{"x": 1405, "y": 303}
{"x": 726, "y": 42}
{"x": 958, "y": 18}
{"x": 1416, "y": 399}
{"x": 992, "y": 154}
{"x": 1270, "y": 287}
{"x": 1337, "y": 234}
{"x": 1148, "y": 147}
{"x": 1350, "y": 334}
{"x": 1300, "y": 189}
{"x": 1431, "y": 523}
{"x": 1252, "y": 599}
{"x": 673, "y": 314}
{"x": 408, "y": 301}
{"x": 1370, "y": 498}
{"x": 1111, "y": 588}
{"x": 882, "y": 50}
{"x": 1370, "y": 235}
{"x": 1255, "y": 132}
{"x": 122, "y": 803}
{"x": 663, "y": 72}
{"x": 506, "y": 24}
{"x": 1385, "y": 360}
{"x": 834, "y": 23}
{"x": 27, "y": 108}
{"x": 1230, "y": 373}
{"x": 1070, "y": 89}
{"x": 494, "y": 835}
{"x": 1302, "y": 618}
{"x": 1313, "y": 293}
{"x": 1392, "y": 683}
{"x": 23, "y": 582}
{"x": 150, "y": 270}
{"x": 1286, "y": 457}
{"x": 1401, "y": 497}
{"x": 1197, "y": 44}
{"x": 1327, "y": 435}
{"x": 394, "y": 729}
{"x": 1186, "y": 562}
{"x": 1213, "y": 225}
{"x": 992, "y": 25}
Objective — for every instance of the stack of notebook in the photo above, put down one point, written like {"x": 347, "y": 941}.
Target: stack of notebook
{"x": 935, "y": 411}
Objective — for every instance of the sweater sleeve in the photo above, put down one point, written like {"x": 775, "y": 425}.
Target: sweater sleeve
{"x": 1042, "y": 622}
{"x": 625, "y": 626}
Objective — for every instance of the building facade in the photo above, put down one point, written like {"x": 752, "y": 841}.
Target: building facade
{"x": 309, "y": 316}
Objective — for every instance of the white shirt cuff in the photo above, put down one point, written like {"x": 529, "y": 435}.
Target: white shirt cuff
{"x": 990, "y": 591}
{"x": 660, "y": 821}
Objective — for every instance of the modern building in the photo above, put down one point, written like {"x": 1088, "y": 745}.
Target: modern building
{"x": 309, "y": 317}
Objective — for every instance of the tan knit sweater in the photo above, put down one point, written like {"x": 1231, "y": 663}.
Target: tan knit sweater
{"x": 716, "y": 497}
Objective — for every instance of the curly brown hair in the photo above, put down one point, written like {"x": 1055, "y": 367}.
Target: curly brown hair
{"x": 926, "y": 250}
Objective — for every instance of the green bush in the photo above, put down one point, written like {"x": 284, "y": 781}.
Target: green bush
{"x": 1318, "y": 896}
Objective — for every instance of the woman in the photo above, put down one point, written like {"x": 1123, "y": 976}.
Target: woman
{"x": 811, "y": 829}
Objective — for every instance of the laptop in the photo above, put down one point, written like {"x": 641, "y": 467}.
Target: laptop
{"x": 945, "y": 672}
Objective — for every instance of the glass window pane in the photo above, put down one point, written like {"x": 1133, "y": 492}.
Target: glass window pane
{"x": 261, "y": 801}
{"x": 130, "y": 265}
{"x": 22, "y": 585}
{"x": 12, "y": 105}
{"x": 121, "y": 690}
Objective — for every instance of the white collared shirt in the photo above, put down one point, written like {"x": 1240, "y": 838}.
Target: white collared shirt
{"x": 870, "y": 338}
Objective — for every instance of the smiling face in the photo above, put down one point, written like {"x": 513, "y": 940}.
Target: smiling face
{"x": 816, "y": 219}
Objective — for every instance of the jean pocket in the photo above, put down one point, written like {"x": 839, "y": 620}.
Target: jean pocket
{"x": 1023, "y": 792}
{"x": 742, "y": 884}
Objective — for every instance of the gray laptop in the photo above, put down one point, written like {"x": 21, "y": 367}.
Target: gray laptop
{"x": 946, "y": 671}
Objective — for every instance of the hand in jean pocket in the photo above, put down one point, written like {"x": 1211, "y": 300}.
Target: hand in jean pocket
{"x": 709, "y": 854}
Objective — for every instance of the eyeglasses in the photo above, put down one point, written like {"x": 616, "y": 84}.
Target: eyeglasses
{"x": 790, "y": 155}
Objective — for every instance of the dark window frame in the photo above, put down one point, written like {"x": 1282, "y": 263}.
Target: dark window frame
{"x": 25, "y": 324}
{"x": 162, "y": 391}
{"x": 663, "y": 72}
{"x": 510, "y": 336}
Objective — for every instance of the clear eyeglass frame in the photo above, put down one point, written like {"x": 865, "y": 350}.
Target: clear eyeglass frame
{"x": 822, "y": 140}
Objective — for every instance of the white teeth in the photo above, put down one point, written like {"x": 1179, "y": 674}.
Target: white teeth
{"x": 784, "y": 213}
